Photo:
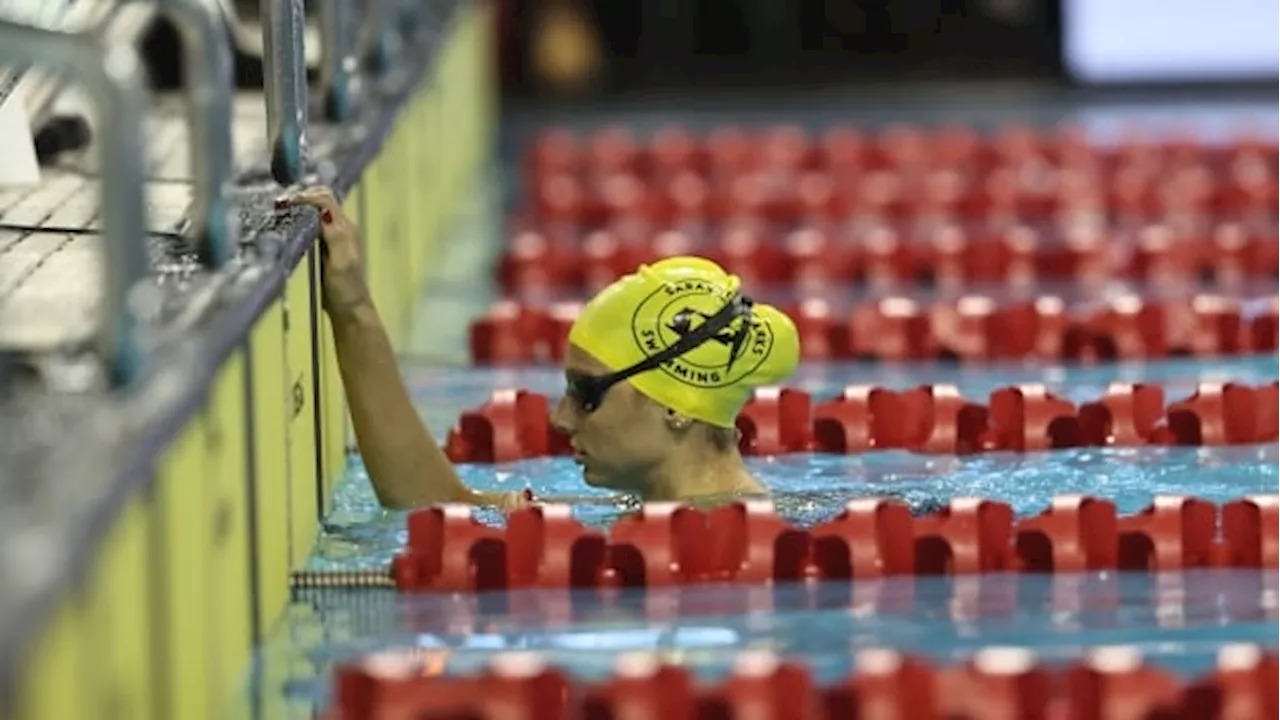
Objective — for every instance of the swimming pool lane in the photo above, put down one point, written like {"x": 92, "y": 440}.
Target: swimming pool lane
{"x": 1180, "y": 619}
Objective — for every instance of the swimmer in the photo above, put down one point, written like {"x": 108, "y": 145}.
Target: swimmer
{"x": 658, "y": 366}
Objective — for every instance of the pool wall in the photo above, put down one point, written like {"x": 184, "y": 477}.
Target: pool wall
{"x": 203, "y": 489}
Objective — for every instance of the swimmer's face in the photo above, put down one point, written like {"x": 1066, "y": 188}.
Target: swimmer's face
{"x": 621, "y": 440}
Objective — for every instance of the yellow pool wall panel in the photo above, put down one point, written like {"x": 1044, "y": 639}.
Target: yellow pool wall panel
{"x": 186, "y": 594}
{"x": 63, "y": 651}
{"x": 227, "y": 509}
{"x": 302, "y": 433}
{"x": 270, "y": 407}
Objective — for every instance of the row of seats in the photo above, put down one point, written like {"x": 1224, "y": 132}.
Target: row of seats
{"x": 907, "y": 206}
{"x": 516, "y": 424}
{"x": 1003, "y": 193}
{"x": 885, "y": 256}
{"x": 665, "y": 544}
{"x": 786, "y": 175}
{"x": 971, "y": 328}
{"x": 1110, "y": 683}
{"x": 730, "y": 148}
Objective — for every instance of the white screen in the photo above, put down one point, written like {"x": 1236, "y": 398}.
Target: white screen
{"x": 1171, "y": 40}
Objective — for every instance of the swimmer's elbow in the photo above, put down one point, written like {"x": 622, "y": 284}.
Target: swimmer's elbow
{"x": 395, "y": 502}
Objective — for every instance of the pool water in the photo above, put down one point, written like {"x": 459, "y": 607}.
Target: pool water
{"x": 1179, "y": 620}
{"x": 810, "y": 488}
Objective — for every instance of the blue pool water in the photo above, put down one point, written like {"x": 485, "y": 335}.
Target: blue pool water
{"x": 1177, "y": 620}
{"x": 1180, "y": 620}
{"x": 813, "y": 488}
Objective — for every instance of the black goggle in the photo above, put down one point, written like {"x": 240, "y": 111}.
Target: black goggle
{"x": 589, "y": 390}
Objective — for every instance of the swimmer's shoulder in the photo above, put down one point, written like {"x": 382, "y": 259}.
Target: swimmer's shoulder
{"x": 706, "y": 503}
{"x": 711, "y": 502}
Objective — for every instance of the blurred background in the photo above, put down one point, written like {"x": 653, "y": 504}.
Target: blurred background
{"x": 560, "y": 48}
{"x": 577, "y": 46}
{"x": 242, "y": 346}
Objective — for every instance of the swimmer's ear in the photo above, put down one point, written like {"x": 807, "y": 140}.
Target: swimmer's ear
{"x": 678, "y": 422}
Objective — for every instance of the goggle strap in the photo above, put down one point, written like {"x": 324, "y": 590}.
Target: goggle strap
{"x": 738, "y": 306}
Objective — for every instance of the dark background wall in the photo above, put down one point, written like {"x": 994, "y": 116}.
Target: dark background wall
{"x": 648, "y": 44}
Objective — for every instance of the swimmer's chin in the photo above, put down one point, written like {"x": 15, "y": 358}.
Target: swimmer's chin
{"x": 592, "y": 478}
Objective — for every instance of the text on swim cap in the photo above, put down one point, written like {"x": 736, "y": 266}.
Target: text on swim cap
{"x": 674, "y": 310}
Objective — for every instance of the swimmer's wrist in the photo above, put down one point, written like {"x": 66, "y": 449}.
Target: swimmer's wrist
{"x": 508, "y": 500}
{"x": 353, "y": 308}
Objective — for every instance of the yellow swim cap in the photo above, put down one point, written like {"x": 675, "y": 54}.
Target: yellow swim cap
{"x": 644, "y": 313}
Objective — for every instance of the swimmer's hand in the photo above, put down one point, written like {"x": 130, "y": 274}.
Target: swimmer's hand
{"x": 514, "y": 500}
{"x": 342, "y": 268}
{"x": 517, "y": 499}
{"x": 504, "y": 501}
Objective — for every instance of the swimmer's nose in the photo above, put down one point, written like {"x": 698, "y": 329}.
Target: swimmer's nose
{"x": 563, "y": 417}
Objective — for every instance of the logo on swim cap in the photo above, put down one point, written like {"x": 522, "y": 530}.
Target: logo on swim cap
{"x": 677, "y": 309}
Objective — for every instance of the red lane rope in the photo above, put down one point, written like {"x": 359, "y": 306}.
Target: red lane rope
{"x": 1109, "y": 683}
{"x": 970, "y": 328}
{"x": 665, "y": 544}
{"x": 515, "y": 424}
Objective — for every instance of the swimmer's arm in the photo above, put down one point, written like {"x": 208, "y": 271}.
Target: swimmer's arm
{"x": 408, "y": 468}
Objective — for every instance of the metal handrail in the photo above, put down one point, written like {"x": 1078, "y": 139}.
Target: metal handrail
{"x": 71, "y": 16}
{"x": 284, "y": 82}
{"x": 208, "y": 89}
{"x": 338, "y": 63}
{"x": 115, "y": 444}
{"x": 113, "y": 77}
{"x": 347, "y": 44}
{"x": 377, "y": 37}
